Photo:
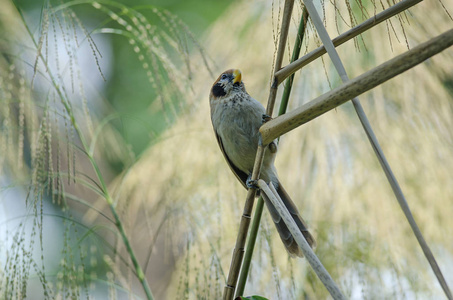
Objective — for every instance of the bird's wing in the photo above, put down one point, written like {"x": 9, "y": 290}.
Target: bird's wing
{"x": 241, "y": 176}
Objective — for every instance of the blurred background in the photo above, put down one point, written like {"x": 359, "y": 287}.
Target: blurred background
{"x": 111, "y": 97}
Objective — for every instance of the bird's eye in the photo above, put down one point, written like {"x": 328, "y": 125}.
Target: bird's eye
{"x": 224, "y": 76}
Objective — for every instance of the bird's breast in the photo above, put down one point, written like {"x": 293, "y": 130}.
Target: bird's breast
{"x": 237, "y": 121}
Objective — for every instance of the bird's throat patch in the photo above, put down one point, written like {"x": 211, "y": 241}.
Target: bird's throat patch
{"x": 218, "y": 91}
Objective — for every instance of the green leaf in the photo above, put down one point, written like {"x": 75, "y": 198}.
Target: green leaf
{"x": 255, "y": 297}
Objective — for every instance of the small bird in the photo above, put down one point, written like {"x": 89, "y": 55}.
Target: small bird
{"x": 236, "y": 118}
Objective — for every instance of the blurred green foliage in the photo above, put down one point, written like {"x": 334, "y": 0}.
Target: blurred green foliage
{"x": 128, "y": 89}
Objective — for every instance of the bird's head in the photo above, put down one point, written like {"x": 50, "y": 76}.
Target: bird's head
{"x": 228, "y": 83}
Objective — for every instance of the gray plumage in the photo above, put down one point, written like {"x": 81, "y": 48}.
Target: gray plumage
{"x": 236, "y": 118}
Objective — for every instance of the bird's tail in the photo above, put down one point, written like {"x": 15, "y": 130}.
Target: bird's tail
{"x": 285, "y": 234}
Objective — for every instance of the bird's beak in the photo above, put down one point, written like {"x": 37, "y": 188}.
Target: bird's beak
{"x": 237, "y": 76}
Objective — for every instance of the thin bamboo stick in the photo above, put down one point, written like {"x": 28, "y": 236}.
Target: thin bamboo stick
{"x": 324, "y": 36}
{"x": 250, "y": 247}
{"x": 294, "y": 57}
{"x": 260, "y": 203}
{"x": 238, "y": 252}
{"x": 368, "y": 80}
{"x": 314, "y": 261}
{"x": 293, "y": 67}
{"x": 287, "y": 12}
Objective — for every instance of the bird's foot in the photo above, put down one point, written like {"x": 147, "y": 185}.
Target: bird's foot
{"x": 252, "y": 184}
{"x": 272, "y": 147}
{"x": 266, "y": 118}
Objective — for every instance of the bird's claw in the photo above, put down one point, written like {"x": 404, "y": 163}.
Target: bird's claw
{"x": 272, "y": 147}
{"x": 266, "y": 118}
{"x": 252, "y": 184}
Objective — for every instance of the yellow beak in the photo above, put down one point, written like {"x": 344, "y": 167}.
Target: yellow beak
{"x": 237, "y": 76}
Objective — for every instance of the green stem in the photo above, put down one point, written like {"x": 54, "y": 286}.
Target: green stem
{"x": 138, "y": 270}
{"x": 119, "y": 225}
{"x": 260, "y": 203}
{"x": 250, "y": 246}
{"x": 294, "y": 57}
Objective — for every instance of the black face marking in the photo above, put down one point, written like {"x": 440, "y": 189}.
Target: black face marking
{"x": 218, "y": 91}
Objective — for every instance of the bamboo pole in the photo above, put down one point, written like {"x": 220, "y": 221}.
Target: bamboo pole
{"x": 330, "y": 48}
{"x": 368, "y": 80}
{"x": 311, "y": 257}
{"x": 287, "y": 12}
{"x": 260, "y": 203}
{"x": 238, "y": 252}
{"x": 293, "y": 67}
